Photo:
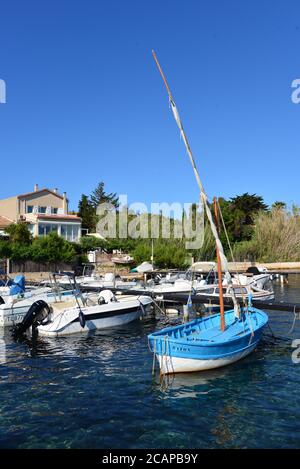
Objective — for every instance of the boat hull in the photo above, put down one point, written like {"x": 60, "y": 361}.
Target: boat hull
{"x": 98, "y": 317}
{"x": 9, "y": 316}
{"x": 12, "y": 313}
{"x": 93, "y": 324}
{"x": 170, "y": 365}
{"x": 201, "y": 345}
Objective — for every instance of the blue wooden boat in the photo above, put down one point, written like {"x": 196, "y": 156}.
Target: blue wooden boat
{"x": 212, "y": 341}
{"x": 201, "y": 344}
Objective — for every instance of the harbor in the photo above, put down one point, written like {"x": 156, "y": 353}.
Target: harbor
{"x": 99, "y": 392}
{"x": 149, "y": 232}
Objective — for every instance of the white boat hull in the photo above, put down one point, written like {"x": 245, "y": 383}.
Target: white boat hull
{"x": 90, "y": 325}
{"x": 96, "y": 317}
{"x": 12, "y": 315}
{"x": 170, "y": 365}
{"x": 13, "y": 312}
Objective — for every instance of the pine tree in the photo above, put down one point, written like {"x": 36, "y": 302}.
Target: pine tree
{"x": 99, "y": 196}
{"x": 87, "y": 213}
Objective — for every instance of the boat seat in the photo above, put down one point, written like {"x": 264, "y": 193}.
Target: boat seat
{"x": 64, "y": 304}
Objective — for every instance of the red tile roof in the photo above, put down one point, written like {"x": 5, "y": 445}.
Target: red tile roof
{"x": 58, "y": 217}
{"x": 4, "y": 222}
{"x": 40, "y": 190}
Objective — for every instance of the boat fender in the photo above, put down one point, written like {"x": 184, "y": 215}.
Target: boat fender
{"x": 82, "y": 319}
{"x": 1, "y": 301}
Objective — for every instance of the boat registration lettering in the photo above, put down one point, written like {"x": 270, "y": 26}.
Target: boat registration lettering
{"x": 181, "y": 349}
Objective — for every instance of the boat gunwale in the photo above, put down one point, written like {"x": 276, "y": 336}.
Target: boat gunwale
{"x": 161, "y": 335}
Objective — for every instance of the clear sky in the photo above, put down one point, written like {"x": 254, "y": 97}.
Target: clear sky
{"x": 85, "y": 102}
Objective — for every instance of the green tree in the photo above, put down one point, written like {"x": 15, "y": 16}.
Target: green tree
{"x": 279, "y": 205}
{"x": 244, "y": 208}
{"x": 99, "y": 196}
{"x": 87, "y": 212}
{"x": 168, "y": 253}
{"x": 52, "y": 248}
{"x": 19, "y": 233}
{"x": 88, "y": 243}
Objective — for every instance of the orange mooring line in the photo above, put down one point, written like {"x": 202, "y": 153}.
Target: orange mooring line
{"x": 219, "y": 272}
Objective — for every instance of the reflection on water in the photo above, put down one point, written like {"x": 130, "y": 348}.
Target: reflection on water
{"x": 97, "y": 391}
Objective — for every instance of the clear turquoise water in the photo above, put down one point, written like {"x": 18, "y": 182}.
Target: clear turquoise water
{"x": 98, "y": 392}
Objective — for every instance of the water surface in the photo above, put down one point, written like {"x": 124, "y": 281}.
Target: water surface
{"x": 98, "y": 392}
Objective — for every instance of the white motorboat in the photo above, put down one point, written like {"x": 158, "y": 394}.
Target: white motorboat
{"x": 14, "y": 308}
{"x": 260, "y": 281}
{"x": 109, "y": 280}
{"x": 241, "y": 292}
{"x": 178, "y": 286}
{"x": 84, "y": 314}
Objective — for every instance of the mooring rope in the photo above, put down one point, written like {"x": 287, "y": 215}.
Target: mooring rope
{"x": 294, "y": 321}
{"x": 154, "y": 357}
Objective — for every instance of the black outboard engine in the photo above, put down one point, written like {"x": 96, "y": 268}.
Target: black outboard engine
{"x": 36, "y": 314}
{"x": 253, "y": 270}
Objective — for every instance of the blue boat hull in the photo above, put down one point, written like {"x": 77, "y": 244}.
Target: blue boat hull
{"x": 201, "y": 345}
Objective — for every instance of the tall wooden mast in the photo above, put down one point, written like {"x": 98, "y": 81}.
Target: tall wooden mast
{"x": 219, "y": 271}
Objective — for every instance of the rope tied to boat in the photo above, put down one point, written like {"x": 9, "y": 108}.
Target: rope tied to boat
{"x": 154, "y": 356}
{"x": 296, "y": 316}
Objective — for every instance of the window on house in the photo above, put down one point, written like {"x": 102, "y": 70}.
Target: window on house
{"x": 54, "y": 210}
{"x": 42, "y": 209}
{"x": 70, "y": 232}
{"x": 29, "y": 208}
{"x": 45, "y": 229}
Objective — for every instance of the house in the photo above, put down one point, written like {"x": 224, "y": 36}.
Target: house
{"x": 44, "y": 210}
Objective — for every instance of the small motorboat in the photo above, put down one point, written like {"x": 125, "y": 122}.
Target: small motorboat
{"x": 254, "y": 277}
{"x": 13, "y": 308}
{"x": 83, "y": 313}
{"x": 240, "y": 292}
{"x": 124, "y": 260}
{"x": 12, "y": 287}
{"x": 178, "y": 286}
{"x": 109, "y": 280}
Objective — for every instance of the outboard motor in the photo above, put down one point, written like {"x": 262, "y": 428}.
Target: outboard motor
{"x": 253, "y": 270}
{"x": 36, "y": 314}
{"x": 18, "y": 285}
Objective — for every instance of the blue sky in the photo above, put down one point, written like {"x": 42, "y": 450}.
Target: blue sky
{"x": 85, "y": 102}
